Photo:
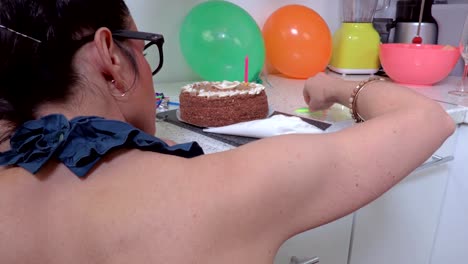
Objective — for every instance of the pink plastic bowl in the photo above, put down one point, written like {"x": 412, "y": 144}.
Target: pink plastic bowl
{"x": 418, "y": 64}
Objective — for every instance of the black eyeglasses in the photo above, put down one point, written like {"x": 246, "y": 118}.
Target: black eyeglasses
{"x": 153, "y": 45}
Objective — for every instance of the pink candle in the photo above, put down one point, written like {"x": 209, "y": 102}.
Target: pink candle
{"x": 246, "y": 69}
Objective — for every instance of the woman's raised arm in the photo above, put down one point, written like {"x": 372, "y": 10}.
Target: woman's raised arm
{"x": 283, "y": 185}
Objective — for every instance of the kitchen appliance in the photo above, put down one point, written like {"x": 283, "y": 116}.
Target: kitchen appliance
{"x": 356, "y": 43}
{"x": 406, "y": 22}
{"x": 384, "y": 26}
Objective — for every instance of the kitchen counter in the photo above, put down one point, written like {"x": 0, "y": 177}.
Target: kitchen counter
{"x": 285, "y": 95}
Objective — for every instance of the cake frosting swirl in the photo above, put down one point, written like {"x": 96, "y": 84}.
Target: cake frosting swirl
{"x": 223, "y": 89}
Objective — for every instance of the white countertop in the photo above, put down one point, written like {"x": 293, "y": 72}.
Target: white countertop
{"x": 285, "y": 95}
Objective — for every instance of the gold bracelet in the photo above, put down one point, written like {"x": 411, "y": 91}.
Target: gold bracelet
{"x": 354, "y": 96}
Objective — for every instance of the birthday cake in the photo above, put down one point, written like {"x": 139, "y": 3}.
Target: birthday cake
{"x": 215, "y": 104}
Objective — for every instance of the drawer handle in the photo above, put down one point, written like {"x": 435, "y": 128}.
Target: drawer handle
{"x": 436, "y": 160}
{"x": 296, "y": 260}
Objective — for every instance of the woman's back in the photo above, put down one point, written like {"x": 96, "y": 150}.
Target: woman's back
{"x": 153, "y": 214}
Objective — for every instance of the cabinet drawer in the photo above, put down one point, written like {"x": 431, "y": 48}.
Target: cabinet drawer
{"x": 329, "y": 242}
{"x": 400, "y": 226}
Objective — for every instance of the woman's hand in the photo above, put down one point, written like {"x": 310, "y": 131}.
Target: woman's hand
{"x": 319, "y": 91}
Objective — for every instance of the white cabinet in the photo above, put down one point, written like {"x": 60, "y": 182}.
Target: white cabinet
{"x": 451, "y": 245}
{"x": 400, "y": 226}
{"x": 329, "y": 242}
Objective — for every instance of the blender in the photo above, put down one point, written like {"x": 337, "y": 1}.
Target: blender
{"x": 407, "y": 22}
{"x": 356, "y": 43}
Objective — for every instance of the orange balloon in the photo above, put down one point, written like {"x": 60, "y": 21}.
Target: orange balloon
{"x": 298, "y": 41}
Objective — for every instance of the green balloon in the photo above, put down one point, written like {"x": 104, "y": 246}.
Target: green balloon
{"x": 216, "y": 37}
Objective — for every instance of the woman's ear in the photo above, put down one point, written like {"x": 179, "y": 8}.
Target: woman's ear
{"x": 109, "y": 54}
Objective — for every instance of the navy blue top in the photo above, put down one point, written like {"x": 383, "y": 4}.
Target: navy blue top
{"x": 81, "y": 142}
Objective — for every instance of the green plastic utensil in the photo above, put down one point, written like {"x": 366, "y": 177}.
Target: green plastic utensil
{"x": 303, "y": 110}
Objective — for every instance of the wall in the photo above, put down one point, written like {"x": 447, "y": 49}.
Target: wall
{"x": 166, "y": 16}
{"x": 450, "y": 19}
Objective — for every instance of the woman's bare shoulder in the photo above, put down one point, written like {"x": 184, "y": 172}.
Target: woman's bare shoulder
{"x": 162, "y": 198}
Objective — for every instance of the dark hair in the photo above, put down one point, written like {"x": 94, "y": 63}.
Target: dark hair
{"x": 32, "y": 73}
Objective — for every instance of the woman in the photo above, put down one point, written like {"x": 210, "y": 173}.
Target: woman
{"x": 75, "y": 72}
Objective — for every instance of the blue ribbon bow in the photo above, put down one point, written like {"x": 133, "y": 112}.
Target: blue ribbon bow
{"x": 81, "y": 142}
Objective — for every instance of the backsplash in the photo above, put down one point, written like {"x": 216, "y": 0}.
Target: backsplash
{"x": 166, "y": 16}
{"x": 450, "y": 18}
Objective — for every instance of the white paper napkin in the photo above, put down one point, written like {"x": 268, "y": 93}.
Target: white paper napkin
{"x": 272, "y": 126}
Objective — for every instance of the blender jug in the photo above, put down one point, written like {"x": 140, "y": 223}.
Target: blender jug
{"x": 356, "y": 43}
